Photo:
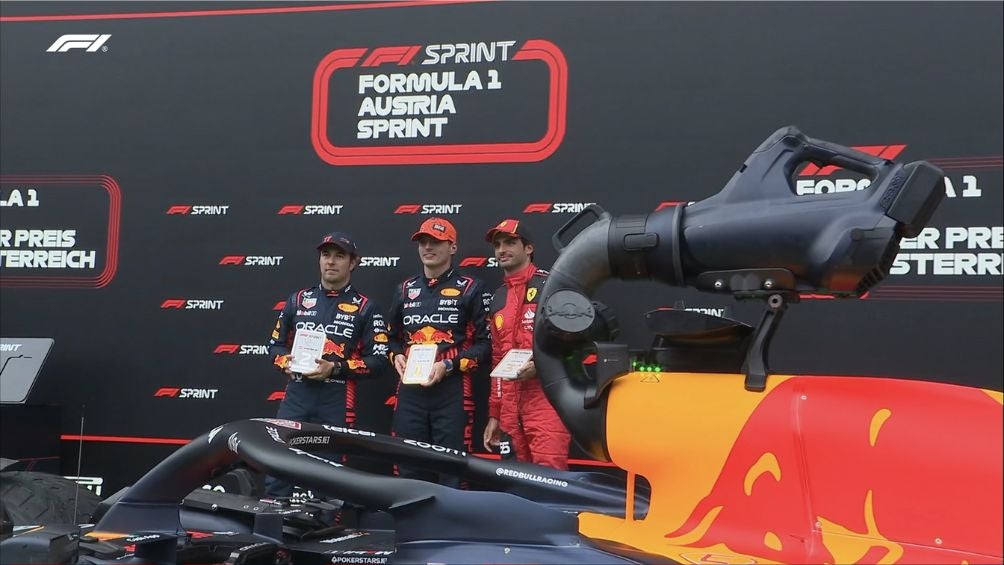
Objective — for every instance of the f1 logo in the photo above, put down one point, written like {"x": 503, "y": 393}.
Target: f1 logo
{"x": 232, "y": 260}
{"x": 169, "y": 392}
{"x": 291, "y": 209}
{"x": 407, "y": 209}
{"x": 229, "y": 348}
{"x": 540, "y": 208}
{"x": 474, "y": 262}
{"x": 178, "y": 210}
{"x": 86, "y": 41}
{"x": 173, "y": 303}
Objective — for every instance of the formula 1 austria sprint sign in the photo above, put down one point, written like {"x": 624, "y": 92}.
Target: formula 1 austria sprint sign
{"x": 500, "y": 101}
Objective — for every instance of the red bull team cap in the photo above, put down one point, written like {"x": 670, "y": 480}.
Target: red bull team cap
{"x": 341, "y": 240}
{"x": 438, "y": 228}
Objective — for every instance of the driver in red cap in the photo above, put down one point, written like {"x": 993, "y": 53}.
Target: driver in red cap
{"x": 443, "y": 307}
{"x": 519, "y": 405}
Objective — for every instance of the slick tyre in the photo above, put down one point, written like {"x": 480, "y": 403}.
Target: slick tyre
{"x": 38, "y": 498}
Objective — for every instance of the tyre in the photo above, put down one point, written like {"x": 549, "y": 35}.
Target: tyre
{"x": 38, "y": 498}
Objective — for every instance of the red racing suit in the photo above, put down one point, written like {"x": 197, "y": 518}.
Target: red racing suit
{"x": 523, "y": 410}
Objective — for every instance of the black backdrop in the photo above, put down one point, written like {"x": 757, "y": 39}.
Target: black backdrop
{"x": 199, "y": 156}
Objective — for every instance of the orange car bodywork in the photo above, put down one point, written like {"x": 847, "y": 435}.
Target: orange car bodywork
{"x": 815, "y": 469}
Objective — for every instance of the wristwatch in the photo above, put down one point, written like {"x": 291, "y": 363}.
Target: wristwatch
{"x": 448, "y": 363}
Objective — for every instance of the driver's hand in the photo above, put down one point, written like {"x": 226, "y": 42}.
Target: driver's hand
{"x": 437, "y": 374}
{"x": 400, "y": 362}
{"x": 324, "y": 370}
{"x": 527, "y": 371}
{"x": 492, "y": 434}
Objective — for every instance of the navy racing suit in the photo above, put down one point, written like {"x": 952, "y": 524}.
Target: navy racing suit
{"x": 451, "y": 312}
{"x": 355, "y": 337}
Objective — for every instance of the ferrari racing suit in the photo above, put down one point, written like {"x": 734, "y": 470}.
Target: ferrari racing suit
{"x": 521, "y": 406}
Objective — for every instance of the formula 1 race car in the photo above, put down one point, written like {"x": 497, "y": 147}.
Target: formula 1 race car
{"x": 742, "y": 466}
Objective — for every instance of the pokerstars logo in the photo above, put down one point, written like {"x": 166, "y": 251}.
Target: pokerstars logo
{"x": 379, "y": 261}
{"x": 240, "y": 349}
{"x": 252, "y": 260}
{"x": 809, "y": 179}
{"x": 479, "y": 262}
{"x": 198, "y": 210}
{"x": 556, "y": 207}
{"x": 177, "y": 392}
{"x": 311, "y": 209}
{"x": 191, "y": 304}
{"x": 438, "y": 209}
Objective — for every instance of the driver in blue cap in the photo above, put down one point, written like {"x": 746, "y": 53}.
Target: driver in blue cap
{"x": 355, "y": 344}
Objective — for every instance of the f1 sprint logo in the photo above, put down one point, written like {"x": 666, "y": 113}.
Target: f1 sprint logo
{"x": 90, "y": 42}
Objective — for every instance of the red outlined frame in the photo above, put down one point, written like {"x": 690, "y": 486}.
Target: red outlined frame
{"x": 519, "y": 152}
{"x": 236, "y": 11}
{"x": 112, "y": 250}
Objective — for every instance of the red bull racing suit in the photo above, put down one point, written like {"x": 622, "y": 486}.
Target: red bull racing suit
{"x": 522, "y": 408}
{"x": 355, "y": 337}
{"x": 449, "y": 311}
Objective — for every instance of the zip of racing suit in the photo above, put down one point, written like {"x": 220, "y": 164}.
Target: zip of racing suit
{"x": 521, "y": 406}
{"x": 449, "y": 311}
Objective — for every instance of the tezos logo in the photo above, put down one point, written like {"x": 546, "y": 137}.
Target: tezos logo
{"x": 89, "y": 42}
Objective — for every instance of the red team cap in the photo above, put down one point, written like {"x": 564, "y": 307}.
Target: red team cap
{"x": 438, "y": 228}
{"x": 509, "y": 227}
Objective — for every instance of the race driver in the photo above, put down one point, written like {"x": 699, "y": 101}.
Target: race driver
{"x": 355, "y": 344}
{"x": 519, "y": 405}
{"x": 448, "y": 309}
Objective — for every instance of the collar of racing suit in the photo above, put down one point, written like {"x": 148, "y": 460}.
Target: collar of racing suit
{"x": 333, "y": 293}
{"x": 520, "y": 278}
{"x": 436, "y": 280}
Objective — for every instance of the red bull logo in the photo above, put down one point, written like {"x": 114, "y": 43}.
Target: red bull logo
{"x": 331, "y": 347}
{"x": 429, "y": 334}
{"x": 815, "y": 470}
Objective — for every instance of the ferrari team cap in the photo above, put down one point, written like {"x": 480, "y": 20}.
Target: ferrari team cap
{"x": 510, "y": 227}
{"x": 438, "y": 228}
{"x": 341, "y": 240}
